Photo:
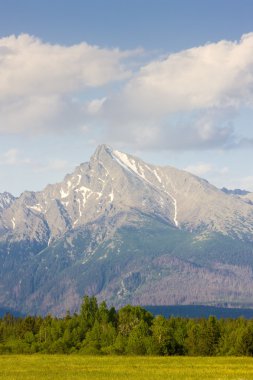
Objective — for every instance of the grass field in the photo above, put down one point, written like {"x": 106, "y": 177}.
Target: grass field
{"x": 62, "y": 367}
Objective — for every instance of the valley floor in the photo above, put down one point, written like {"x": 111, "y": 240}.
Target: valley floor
{"x": 34, "y": 367}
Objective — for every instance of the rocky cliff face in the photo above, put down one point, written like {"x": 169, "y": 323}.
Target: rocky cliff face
{"x": 6, "y": 200}
{"x": 126, "y": 231}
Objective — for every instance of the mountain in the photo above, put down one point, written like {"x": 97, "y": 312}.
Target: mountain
{"x": 235, "y": 191}
{"x": 128, "y": 232}
{"x": 6, "y": 200}
{"x": 245, "y": 195}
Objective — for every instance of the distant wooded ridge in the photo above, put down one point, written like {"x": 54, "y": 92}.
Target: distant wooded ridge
{"x": 199, "y": 311}
{"x": 131, "y": 330}
{"x": 187, "y": 311}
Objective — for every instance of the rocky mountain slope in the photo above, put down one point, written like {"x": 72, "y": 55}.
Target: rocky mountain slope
{"x": 126, "y": 231}
{"x": 6, "y": 200}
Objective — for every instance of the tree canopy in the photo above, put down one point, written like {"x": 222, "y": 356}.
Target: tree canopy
{"x": 131, "y": 330}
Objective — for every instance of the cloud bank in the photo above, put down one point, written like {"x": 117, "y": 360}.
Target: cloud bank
{"x": 185, "y": 100}
{"x": 40, "y": 83}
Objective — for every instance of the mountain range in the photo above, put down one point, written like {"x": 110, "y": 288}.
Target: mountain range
{"x": 128, "y": 232}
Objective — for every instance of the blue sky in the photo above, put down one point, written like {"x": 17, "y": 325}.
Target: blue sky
{"x": 169, "y": 81}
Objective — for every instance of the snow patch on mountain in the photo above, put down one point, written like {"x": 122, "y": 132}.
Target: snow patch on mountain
{"x": 175, "y": 207}
{"x": 78, "y": 179}
{"x": 157, "y": 176}
{"x": 37, "y": 208}
{"x": 64, "y": 194}
{"x": 86, "y": 193}
{"x": 130, "y": 164}
{"x": 111, "y": 196}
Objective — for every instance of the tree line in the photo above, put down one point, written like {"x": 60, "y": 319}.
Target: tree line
{"x": 131, "y": 330}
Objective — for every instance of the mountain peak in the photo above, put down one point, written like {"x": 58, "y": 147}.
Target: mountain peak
{"x": 113, "y": 227}
{"x": 101, "y": 150}
{"x": 6, "y": 199}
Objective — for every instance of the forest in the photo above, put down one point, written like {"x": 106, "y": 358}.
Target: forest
{"x": 131, "y": 330}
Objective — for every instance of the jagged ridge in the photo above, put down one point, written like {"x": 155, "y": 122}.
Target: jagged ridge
{"x": 76, "y": 228}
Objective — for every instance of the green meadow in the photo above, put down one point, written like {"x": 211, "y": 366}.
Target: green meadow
{"x": 39, "y": 367}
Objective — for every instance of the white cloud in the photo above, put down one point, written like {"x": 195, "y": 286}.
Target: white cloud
{"x": 199, "y": 169}
{"x": 38, "y": 81}
{"x": 187, "y": 100}
{"x": 28, "y": 67}
{"x": 245, "y": 183}
{"x": 213, "y": 173}
{"x": 95, "y": 105}
{"x": 58, "y": 164}
{"x": 39, "y": 114}
{"x": 224, "y": 170}
{"x": 13, "y": 157}
{"x": 53, "y": 165}
{"x": 213, "y": 75}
